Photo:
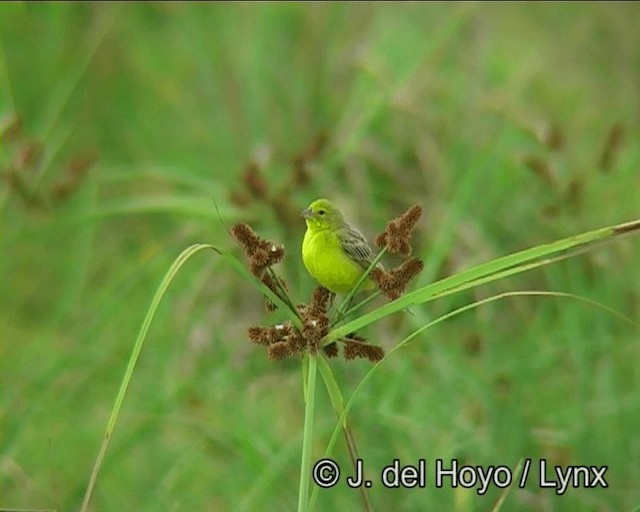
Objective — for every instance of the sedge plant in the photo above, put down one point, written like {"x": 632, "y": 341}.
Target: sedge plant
{"x": 313, "y": 335}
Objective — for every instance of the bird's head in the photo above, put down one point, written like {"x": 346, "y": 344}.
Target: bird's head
{"x": 321, "y": 214}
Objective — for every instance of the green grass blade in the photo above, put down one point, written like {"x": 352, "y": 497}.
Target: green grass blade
{"x": 124, "y": 385}
{"x": 135, "y": 354}
{"x": 405, "y": 341}
{"x": 337, "y": 400}
{"x": 505, "y": 492}
{"x": 486, "y": 272}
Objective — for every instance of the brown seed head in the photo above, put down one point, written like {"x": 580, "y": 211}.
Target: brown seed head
{"x": 296, "y": 341}
{"x": 263, "y": 335}
{"x": 374, "y": 353}
{"x": 397, "y": 233}
{"x": 319, "y": 301}
{"x": 246, "y": 237}
{"x": 356, "y": 346}
{"x": 393, "y": 283}
{"x": 261, "y": 253}
{"x": 330, "y": 350}
{"x": 408, "y": 270}
{"x": 279, "y": 350}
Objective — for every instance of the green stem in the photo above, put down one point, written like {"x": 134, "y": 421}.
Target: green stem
{"x": 352, "y": 448}
{"x": 345, "y": 303}
{"x": 361, "y": 304}
{"x": 338, "y": 406}
{"x": 305, "y": 466}
{"x": 284, "y": 296}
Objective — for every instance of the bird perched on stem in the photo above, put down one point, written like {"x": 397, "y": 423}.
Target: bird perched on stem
{"x": 334, "y": 252}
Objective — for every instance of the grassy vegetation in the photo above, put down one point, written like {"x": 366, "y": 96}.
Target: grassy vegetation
{"x": 512, "y": 125}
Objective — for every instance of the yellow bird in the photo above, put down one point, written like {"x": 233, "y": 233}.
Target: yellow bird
{"x": 335, "y": 253}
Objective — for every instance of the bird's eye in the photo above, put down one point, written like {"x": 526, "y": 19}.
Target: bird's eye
{"x": 321, "y": 212}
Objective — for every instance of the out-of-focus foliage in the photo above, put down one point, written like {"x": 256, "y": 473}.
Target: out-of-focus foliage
{"x": 121, "y": 124}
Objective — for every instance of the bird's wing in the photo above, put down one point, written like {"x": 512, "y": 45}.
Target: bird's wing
{"x": 355, "y": 246}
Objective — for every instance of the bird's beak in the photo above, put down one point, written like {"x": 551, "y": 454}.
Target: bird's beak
{"x": 307, "y": 214}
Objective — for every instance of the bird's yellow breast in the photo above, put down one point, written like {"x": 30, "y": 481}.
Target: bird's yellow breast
{"x": 327, "y": 262}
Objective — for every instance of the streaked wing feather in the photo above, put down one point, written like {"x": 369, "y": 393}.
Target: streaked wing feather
{"x": 355, "y": 245}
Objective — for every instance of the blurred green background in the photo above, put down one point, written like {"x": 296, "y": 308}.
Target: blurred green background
{"x": 511, "y": 124}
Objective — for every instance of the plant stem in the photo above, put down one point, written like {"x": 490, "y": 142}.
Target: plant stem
{"x": 346, "y": 302}
{"x": 354, "y": 456}
{"x": 305, "y": 465}
{"x": 360, "y": 304}
{"x": 282, "y": 292}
